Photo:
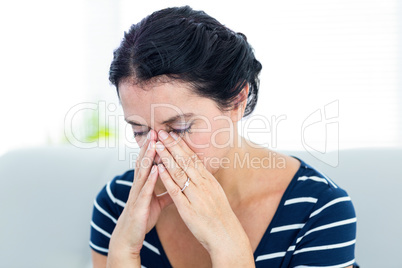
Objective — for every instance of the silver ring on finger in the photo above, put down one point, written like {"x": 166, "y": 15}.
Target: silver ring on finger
{"x": 186, "y": 184}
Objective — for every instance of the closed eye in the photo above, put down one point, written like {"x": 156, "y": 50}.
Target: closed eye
{"x": 178, "y": 131}
{"x": 139, "y": 134}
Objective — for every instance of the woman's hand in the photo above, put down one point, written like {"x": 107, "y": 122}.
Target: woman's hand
{"x": 202, "y": 204}
{"x": 141, "y": 211}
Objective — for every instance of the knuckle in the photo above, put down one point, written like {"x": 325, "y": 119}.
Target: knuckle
{"x": 174, "y": 192}
{"x": 198, "y": 163}
{"x": 204, "y": 188}
{"x": 183, "y": 162}
{"x": 137, "y": 163}
{"x": 179, "y": 173}
{"x": 145, "y": 163}
{"x": 194, "y": 157}
{"x": 137, "y": 176}
{"x": 196, "y": 160}
{"x": 140, "y": 175}
{"x": 170, "y": 143}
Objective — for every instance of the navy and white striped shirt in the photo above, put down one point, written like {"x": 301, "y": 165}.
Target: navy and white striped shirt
{"x": 314, "y": 225}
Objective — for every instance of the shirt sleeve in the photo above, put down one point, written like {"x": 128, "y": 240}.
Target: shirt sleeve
{"x": 108, "y": 205}
{"x": 328, "y": 238}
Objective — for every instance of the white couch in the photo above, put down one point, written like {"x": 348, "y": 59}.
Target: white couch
{"x": 46, "y": 197}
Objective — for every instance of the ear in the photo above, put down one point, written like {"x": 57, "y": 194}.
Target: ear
{"x": 239, "y": 104}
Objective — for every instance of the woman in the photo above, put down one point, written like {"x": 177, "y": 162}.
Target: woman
{"x": 200, "y": 194}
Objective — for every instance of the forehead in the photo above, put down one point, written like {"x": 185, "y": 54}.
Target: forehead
{"x": 153, "y": 103}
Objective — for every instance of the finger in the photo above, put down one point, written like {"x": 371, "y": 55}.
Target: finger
{"x": 176, "y": 172}
{"x": 174, "y": 191}
{"x": 197, "y": 163}
{"x": 145, "y": 196}
{"x": 172, "y": 139}
{"x": 151, "y": 136}
{"x": 182, "y": 154}
{"x": 179, "y": 154}
{"x": 143, "y": 169}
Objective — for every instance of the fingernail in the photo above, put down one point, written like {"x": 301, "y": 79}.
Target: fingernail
{"x": 163, "y": 134}
{"x": 159, "y": 146}
{"x": 153, "y": 169}
{"x": 161, "y": 168}
{"x": 149, "y": 135}
{"x": 174, "y": 135}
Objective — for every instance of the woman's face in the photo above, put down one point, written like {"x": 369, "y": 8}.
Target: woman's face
{"x": 207, "y": 130}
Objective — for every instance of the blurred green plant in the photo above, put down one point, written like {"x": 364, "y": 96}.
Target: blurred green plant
{"x": 95, "y": 129}
{"x": 92, "y": 128}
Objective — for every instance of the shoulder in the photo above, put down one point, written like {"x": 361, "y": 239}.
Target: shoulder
{"x": 312, "y": 196}
{"x": 328, "y": 230}
{"x": 321, "y": 193}
{"x": 315, "y": 224}
{"x": 309, "y": 180}
{"x": 333, "y": 206}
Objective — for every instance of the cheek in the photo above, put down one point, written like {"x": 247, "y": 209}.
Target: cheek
{"x": 203, "y": 145}
{"x": 222, "y": 134}
{"x": 141, "y": 141}
{"x": 217, "y": 134}
{"x": 198, "y": 141}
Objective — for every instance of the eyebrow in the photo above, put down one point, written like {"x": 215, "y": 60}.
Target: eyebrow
{"x": 168, "y": 121}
